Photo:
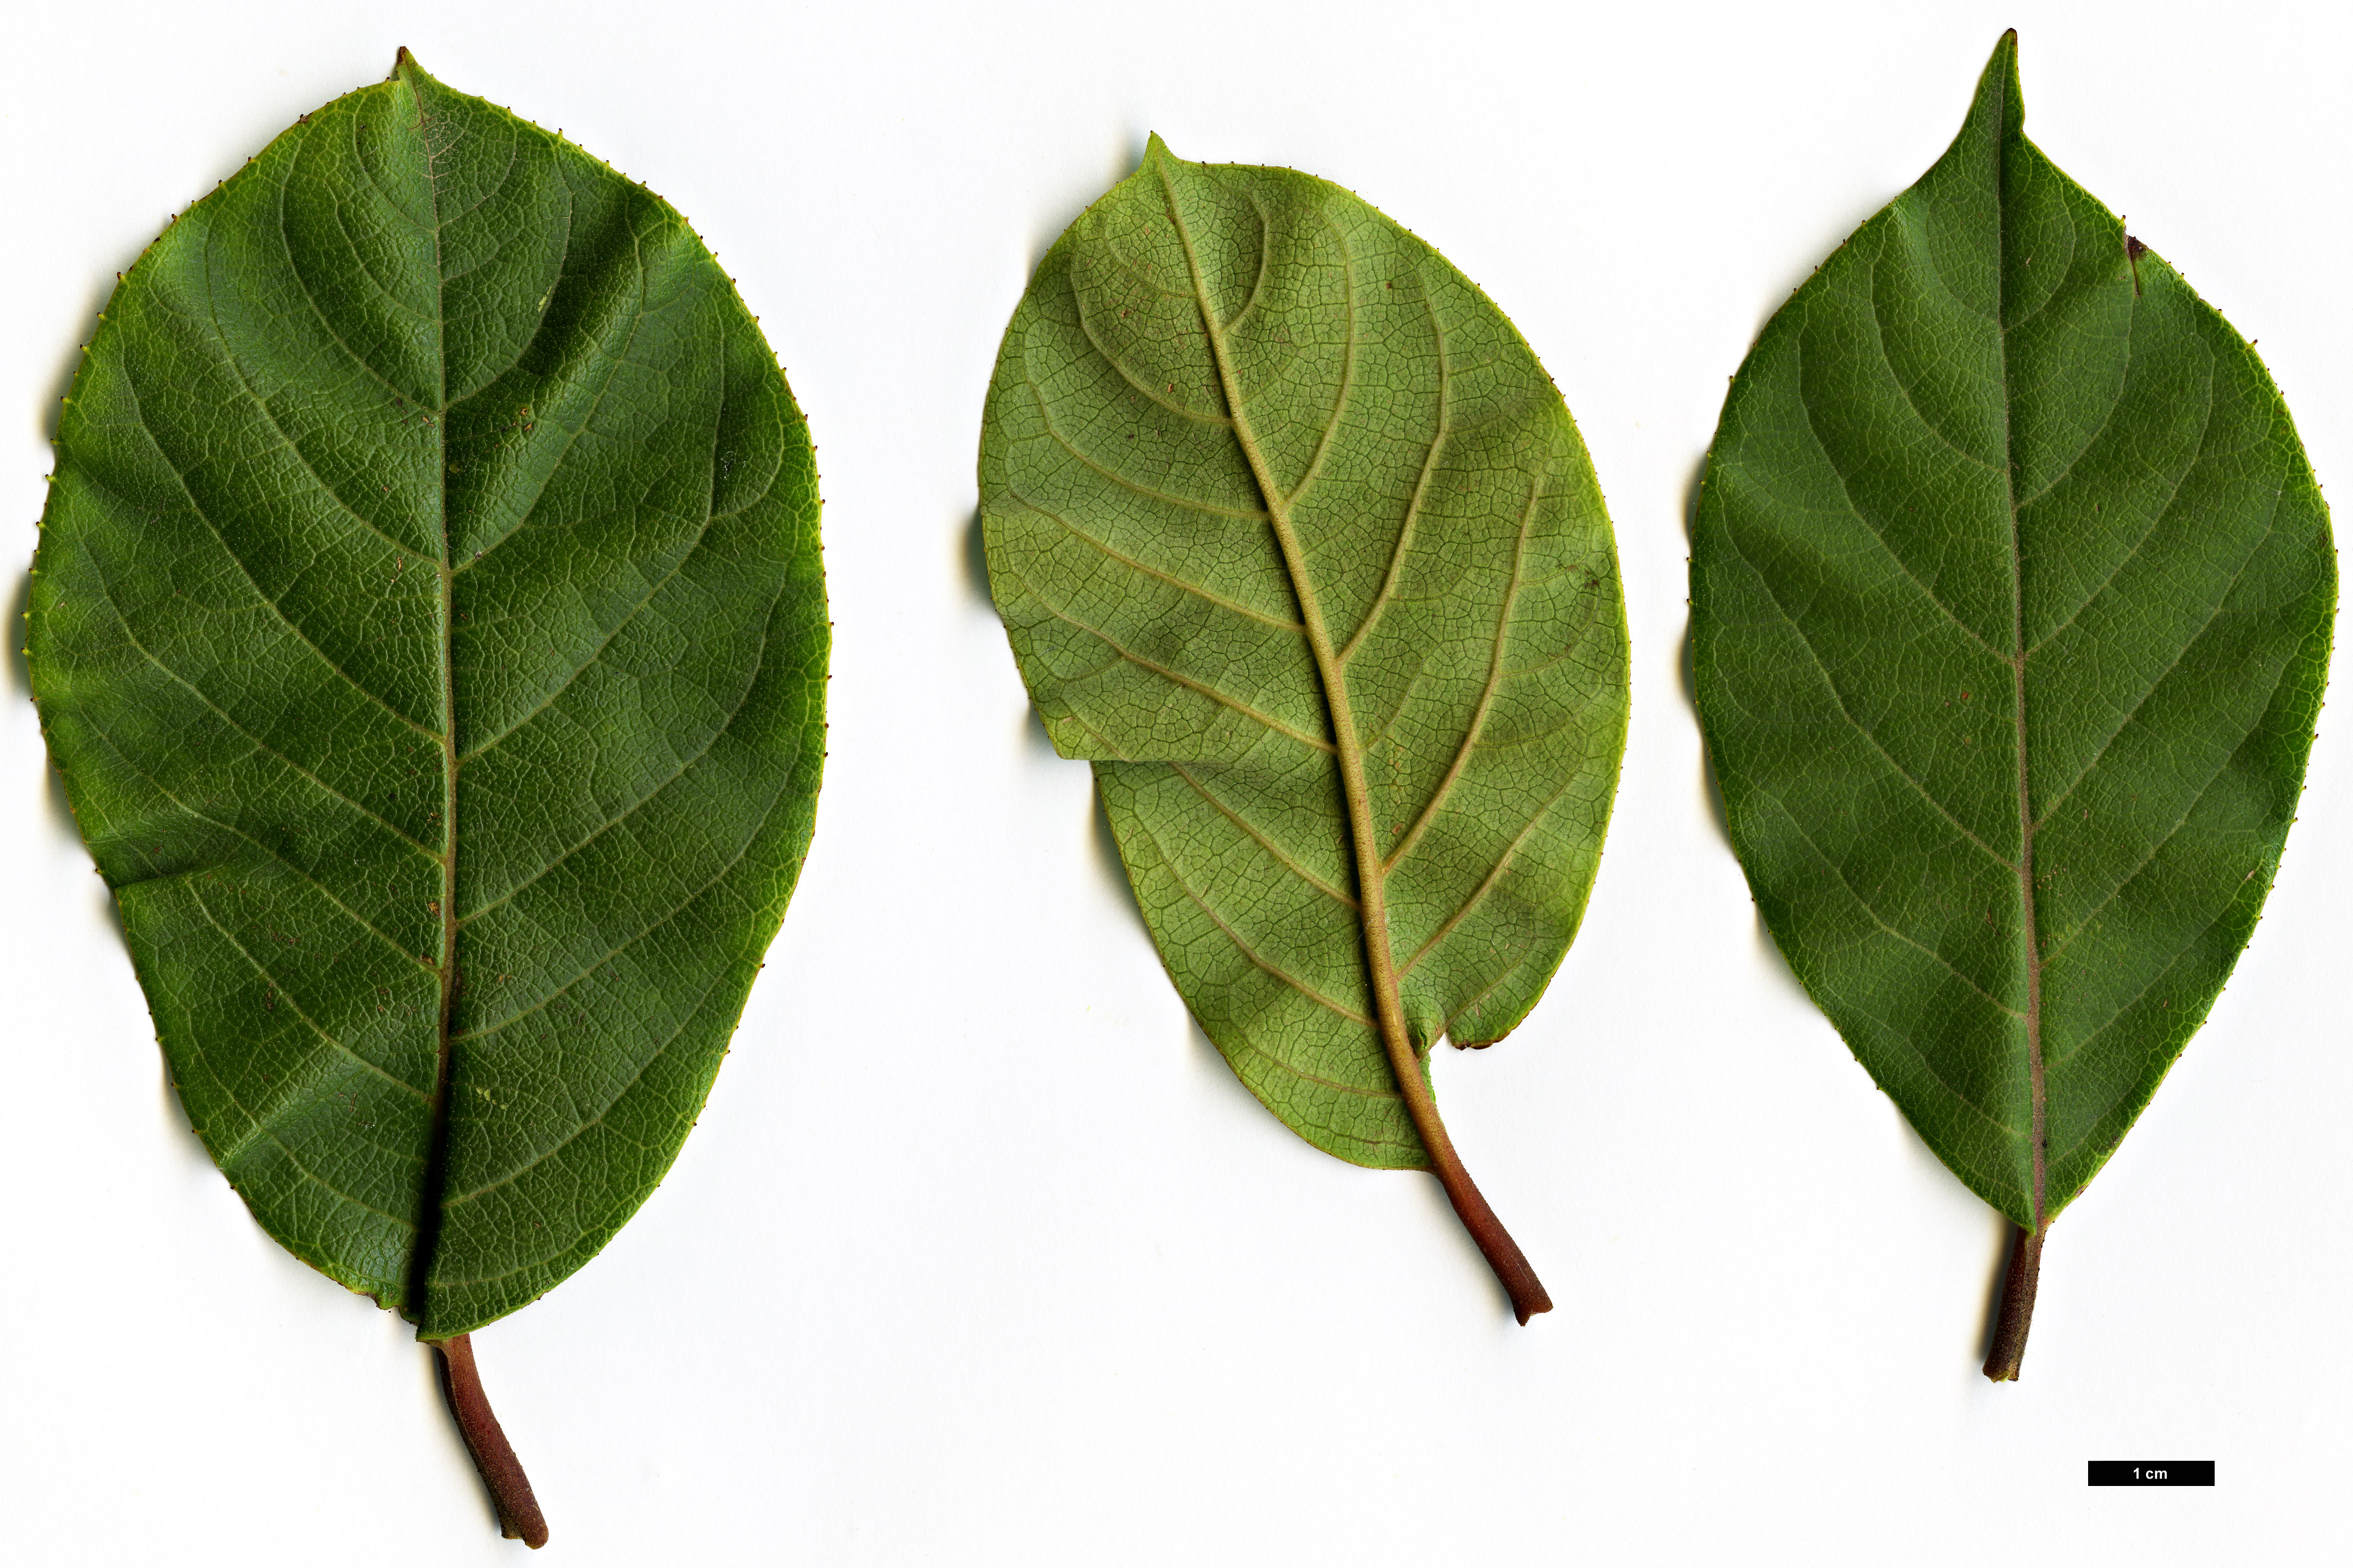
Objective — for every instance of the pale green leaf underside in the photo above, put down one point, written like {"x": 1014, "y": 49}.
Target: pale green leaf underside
{"x": 1988, "y": 457}
{"x": 429, "y": 448}
{"x": 1456, "y": 543}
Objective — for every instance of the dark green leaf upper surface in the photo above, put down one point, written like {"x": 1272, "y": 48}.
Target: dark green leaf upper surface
{"x": 2011, "y": 598}
{"x": 429, "y": 626}
{"x": 1285, "y": 519}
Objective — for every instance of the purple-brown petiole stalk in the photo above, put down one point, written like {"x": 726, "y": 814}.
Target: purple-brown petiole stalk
{"x": 2017, "y": 1303}
{"x": 1495, "y": 1244}
{"x": 510, "y": 1488}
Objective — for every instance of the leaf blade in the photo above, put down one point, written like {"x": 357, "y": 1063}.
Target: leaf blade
{"x": 424, "y": 416}
{"x": 1305, "y": 476}
{"x": 1992, "y": 353}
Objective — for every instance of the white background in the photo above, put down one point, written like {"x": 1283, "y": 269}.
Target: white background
{"x": 981, "y": 1255}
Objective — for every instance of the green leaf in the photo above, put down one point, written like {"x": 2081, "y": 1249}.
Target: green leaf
{"x": 429, "y": 626}
{"x": 2011, "y": 592}
{"x": 1296, "y": 541}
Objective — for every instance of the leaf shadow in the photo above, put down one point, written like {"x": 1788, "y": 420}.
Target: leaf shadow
{"x": 975, "y": 561}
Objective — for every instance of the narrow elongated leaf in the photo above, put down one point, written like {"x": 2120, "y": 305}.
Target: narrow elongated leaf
{"x": 1297, "y": 543}
{"x": 430, "y": 627}
{"x": 2012, "y": 596}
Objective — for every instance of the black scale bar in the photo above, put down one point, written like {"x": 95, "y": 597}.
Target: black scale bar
{"x": 2152, "y": 1472}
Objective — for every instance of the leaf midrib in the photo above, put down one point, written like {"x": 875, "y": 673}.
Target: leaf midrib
{"x": 2029, "y": 934}
{"x": 1347, "y": 755}
{"x": 1386, "y": 976}
{"x": 437, "y": 1166}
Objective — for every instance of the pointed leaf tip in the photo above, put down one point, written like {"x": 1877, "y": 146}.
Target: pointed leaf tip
{"x": 1998, "y": 89}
